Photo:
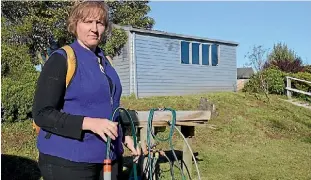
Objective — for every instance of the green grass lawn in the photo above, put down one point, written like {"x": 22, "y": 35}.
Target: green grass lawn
{"x": 253, "y": 139}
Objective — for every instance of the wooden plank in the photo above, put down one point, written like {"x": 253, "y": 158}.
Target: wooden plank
{"x": 160, "y": 118}
{"x": 301, "y": 80}
{"x": 180, "y": 115}
{"x": 164, "y": 123}
{"x": 190, "y": 124}
{"x": 289, "y": 85}
{"x": 298, "y": 91}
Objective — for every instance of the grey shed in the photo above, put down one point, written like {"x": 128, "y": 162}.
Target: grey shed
{"x": 157, "y": 63}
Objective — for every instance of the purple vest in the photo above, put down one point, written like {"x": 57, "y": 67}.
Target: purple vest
{"x": 88, "y": 94}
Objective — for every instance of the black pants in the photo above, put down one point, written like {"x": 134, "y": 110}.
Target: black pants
{"x": 54, "y": 168}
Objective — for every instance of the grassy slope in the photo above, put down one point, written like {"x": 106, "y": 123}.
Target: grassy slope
{"x": 253, "y": 139}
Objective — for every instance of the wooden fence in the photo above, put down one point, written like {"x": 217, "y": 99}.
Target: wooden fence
{"x": 289, "y": 88}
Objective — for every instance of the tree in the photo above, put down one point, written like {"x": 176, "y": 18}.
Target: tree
{"x": 36, "y": 23}
{"x": 30, "y": 30}
{"x": 282, "y": 52}
{"x": 286, "y": 65}
{"x": 284, "y": 59}
{"x": 43, "y": 23}
{"x": 131, "y": 13}
{"x": 126, "y": 13}
{"x": 257, "y": 59}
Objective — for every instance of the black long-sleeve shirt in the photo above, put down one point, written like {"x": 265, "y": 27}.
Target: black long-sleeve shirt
{"x": 49, "y": 99}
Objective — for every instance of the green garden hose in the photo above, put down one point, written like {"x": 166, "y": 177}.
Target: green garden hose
{"x": 150, "y": 133}
{"x": 169, "y": 138}
{"x": 134, "y": 169}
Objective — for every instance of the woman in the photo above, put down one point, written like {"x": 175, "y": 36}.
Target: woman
{"x": 75, "y": 121}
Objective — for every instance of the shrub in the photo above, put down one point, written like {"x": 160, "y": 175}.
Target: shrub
{"x": 18, "y": 79}
{"x": 273, "y": 78}
{"x": 286, "y": 65}
{"x": 17, "y": 98}
{"x": 276, "y": 80}
{"x": 307, "y": 68}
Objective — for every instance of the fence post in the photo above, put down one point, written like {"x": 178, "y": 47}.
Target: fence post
{"x": 288, "y": 85}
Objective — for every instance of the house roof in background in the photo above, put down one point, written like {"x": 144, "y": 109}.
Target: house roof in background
{"x": 157, "y": 32}
{"x": 244, "y": 73}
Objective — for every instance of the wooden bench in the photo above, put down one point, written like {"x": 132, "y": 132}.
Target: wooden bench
{"x": 185, "y": 120}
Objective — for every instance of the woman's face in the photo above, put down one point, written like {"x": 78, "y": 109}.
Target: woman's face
{"x": 90, "y": 31}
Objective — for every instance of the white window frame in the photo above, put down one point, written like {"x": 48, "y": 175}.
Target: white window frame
{"x": 200, "y": 53}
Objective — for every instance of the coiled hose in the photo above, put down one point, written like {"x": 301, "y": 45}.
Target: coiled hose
{"x": 150, "y": 134}
{"x": 107, "y": 166}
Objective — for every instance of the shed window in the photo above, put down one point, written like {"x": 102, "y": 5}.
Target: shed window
{"x": 195, "y": 53}
{"x": 200, "y": 53}
{"x": 215, "y": 54}
{"x": 185, "y": 52}
{"x": 205, "y": 54}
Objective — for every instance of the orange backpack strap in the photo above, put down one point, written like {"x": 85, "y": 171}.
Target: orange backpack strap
{"x": 71, "y": 63}
{"x": 71, "y": 69}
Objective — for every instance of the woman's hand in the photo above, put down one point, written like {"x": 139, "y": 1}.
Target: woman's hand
{"x": 129, "y": 143}
{"x": 101, "y": 126}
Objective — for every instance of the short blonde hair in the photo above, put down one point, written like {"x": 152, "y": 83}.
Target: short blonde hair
{"x": 87, "y": 9}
